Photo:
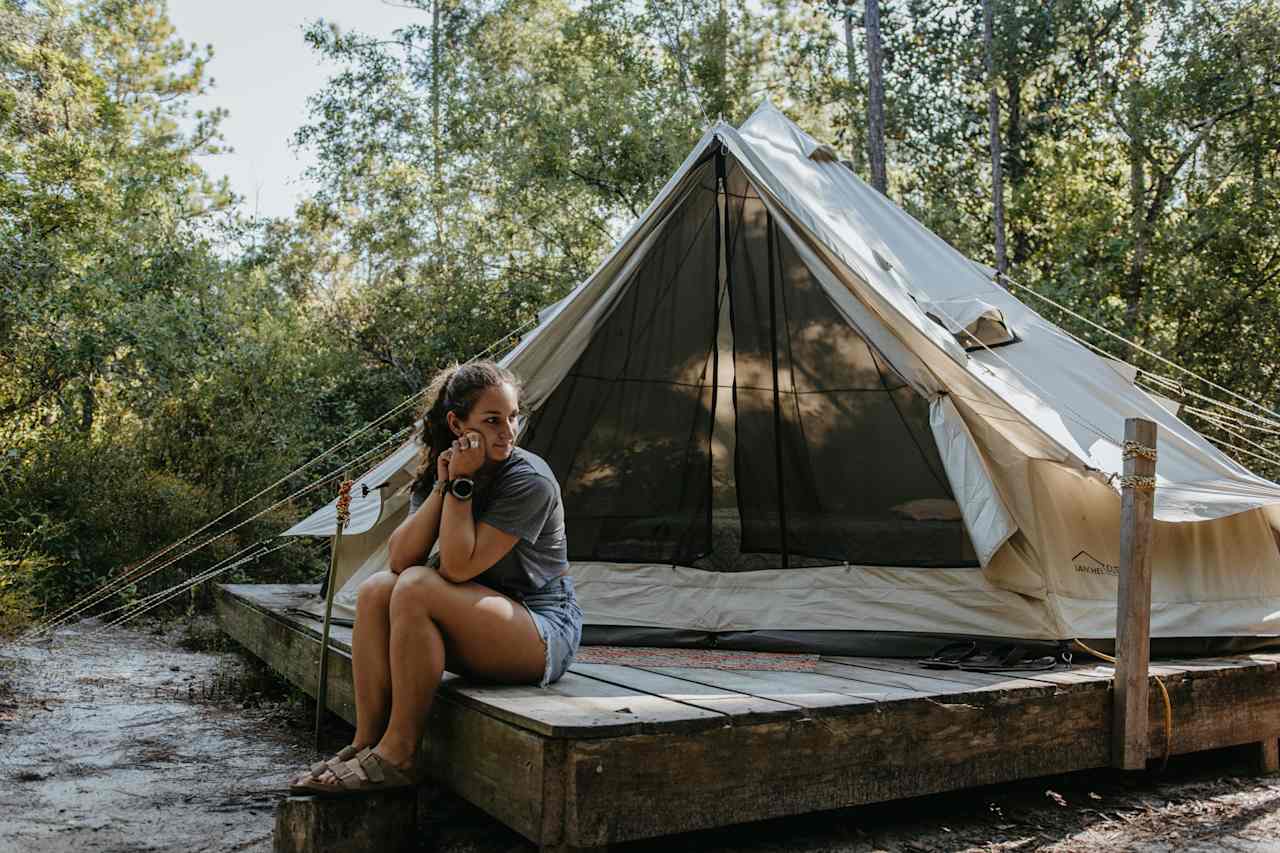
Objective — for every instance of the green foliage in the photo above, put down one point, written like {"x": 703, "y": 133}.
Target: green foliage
{"x": 162, "y": 360}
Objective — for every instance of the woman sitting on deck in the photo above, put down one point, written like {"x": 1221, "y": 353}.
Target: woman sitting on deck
{"x": 494, "y": 601}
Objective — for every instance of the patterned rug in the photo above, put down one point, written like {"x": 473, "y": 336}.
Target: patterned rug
{"x": 696, "y": 658}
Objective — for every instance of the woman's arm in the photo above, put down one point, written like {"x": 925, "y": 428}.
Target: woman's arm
{"x": 467, "y": 548}
{"x": 412, "y": 540}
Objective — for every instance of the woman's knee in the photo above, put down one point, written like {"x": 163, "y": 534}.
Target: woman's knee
{"x": 375, "y": 591}
{"x": 415, "y": 589}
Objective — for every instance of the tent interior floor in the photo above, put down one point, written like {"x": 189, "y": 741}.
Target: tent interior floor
{"x": 612, "y": 753}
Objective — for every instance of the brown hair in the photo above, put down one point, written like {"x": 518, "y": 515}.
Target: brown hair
{"x": 454, "y": 389}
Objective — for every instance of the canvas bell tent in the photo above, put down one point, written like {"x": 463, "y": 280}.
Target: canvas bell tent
{"x": 786, "y": 415}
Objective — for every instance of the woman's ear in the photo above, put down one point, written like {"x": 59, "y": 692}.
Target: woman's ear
{"x": 455, "y": 426}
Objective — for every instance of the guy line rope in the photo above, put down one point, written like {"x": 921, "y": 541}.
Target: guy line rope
{"x": 77, "y": 611}
{"x": 141, "y": 571}
{"x": 1217, "y": 420}
{"x": 1273, "y": 417}
{"x": 220, "y": 567}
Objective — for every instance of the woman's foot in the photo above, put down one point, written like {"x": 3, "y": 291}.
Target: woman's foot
{"x": 329, "y": 778}
{"x": 347, "y": 753}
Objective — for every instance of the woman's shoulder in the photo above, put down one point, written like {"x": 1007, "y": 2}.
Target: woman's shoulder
{"x": 525, "y": 466}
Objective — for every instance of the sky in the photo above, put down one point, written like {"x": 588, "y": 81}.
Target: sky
{"x": 263, "y": 72}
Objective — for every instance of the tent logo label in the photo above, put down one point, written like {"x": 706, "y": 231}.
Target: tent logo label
{"x": 1087, "y": 564}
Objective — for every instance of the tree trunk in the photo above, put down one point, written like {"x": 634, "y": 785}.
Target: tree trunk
{"x": 855, "y": 85}
{"x": 88, "y": 401}
{"x": 875, "y": 98}
{"x": 993, "y": 127}
{"x": 1015, "y": 171}
{"x": 437, "y": 189}
{"x": 1136, "y": 280}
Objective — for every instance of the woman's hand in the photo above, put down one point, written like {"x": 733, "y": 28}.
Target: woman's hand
{"x": 468, "y": 454}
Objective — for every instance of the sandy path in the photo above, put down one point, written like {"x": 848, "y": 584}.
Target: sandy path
{"x": 106, "y": 743}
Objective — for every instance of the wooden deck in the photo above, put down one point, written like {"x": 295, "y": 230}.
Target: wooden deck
{"x": 612, "y": 753}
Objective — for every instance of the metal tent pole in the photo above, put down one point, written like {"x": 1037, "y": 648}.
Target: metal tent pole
{"x": 777, "y": 395}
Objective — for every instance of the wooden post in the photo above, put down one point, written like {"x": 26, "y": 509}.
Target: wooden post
{"x": 322, "y": 684}
{"x": 385, "y": 821}
{"x": 1133, "y": 611}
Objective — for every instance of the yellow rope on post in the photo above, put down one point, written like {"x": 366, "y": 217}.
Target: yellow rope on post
{"x": 343, "y": 516}
{"x": 1137, "y": 481}
{"x": 1135, "y": 450}
{"x": 1164, "y": 694}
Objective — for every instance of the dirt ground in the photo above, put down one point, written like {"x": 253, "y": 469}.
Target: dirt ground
{"x": 127, "y": 741}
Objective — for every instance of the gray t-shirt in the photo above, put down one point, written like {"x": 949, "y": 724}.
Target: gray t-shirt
{"x": 523, "y": 499}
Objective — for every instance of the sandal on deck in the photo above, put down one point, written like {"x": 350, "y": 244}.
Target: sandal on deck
{"x": 367, "y": 771}
{"x": 951, "y": 655}
{"x": 315, "y": 771}
{"x": 1010, "y": 658}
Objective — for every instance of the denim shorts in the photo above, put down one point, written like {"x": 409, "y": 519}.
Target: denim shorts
{"x": 558, "y": 618}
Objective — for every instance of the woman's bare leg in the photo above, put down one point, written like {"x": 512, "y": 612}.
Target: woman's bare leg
{"x": 489, "y": 635}
{"x": 370, "y": 657}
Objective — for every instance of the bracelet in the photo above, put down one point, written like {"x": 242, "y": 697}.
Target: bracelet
{"x": 441, "y": 486}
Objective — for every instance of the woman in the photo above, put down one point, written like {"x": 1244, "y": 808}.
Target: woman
{"x": 494, "y": 602}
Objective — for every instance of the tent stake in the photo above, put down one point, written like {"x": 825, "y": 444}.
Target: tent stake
{"x": 1129, "y": 742}
{"x": 343, "y": 516}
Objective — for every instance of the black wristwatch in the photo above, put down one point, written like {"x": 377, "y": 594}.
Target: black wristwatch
{"x": 462, "y": 488}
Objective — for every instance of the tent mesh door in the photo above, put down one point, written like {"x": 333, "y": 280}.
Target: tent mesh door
{"x": 834, "y": 460}
{"x": 628, "y": 430}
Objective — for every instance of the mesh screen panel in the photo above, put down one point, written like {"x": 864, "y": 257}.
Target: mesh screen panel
{"x": 834, "y": 456}
{"x": 628, "y": 430}
{"x": 832, "y": 462}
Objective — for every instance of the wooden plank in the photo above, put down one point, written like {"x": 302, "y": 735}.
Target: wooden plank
{"x": 577, "y": 706}
{"x": 900, "y": 673}
{"x": 1219, "y": 666}
{"x": 643, "y": 785}
{"x": 1261, "y": 657}
{"x": 499, "y": 767}
{"x": 1129, "y": 733}
{"x": 292, "y": 653}
{"x": 279, "y": 600}
{"x": 574, "y": 706}
{"x": 742, "y": 707}
{"x": 800, "y": 691}
{"x": 1216, "y": 712}
{"x": 1063, "y": 675}
{"x": 868, "y": 689}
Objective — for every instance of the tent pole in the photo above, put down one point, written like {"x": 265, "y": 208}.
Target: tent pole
{"x": 721, "y": 219}
{"x": 344, "y": 515}
{"x": 777, "y": 396}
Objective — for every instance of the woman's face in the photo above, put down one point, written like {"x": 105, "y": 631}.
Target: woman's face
{"x": 496, "y": 416}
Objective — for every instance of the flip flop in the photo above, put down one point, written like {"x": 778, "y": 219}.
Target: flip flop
{"x": 366, "y": 773}
{"x": 1009, "y": 658}
{"x": 951, "y": 655}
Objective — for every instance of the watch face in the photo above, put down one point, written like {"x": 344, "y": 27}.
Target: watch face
{"x": 462, "y": 488}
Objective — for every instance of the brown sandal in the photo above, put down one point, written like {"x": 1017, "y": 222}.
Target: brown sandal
{"x": 347, "y": 753}
{"x": 367, "y": 771}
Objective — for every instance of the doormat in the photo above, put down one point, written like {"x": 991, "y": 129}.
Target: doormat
{"x": 696, "y": 658}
